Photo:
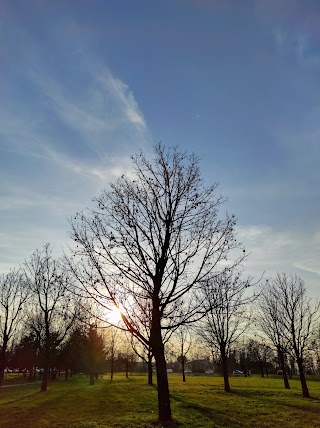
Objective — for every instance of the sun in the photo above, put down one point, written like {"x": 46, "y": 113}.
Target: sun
{"x": 114, "y": 316}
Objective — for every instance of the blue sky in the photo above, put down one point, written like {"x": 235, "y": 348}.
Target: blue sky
{"x": 84, "y": 84}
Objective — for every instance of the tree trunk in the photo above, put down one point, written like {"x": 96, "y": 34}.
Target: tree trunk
{"x": 91, "y": 377}
{"x": 183, "y": 373}
{"x": 224, "y": 360}
{"x": 112, "y": 367}
{"x": 157, "y": 346}
{"x": 2, "y": 369}
{"x": 66, "y": 374}
{"x": 44, "y": 382}
{"x": 291, "y": 367}
{"x": 305, "y": 391}
{"x": 3, "y": 357}
{"x": 283, "y": 368}
{"x": 127, "y": 367}
{"x": 150, "y": 380}
{"x": 261, "y": 368}
{"x": 163, "y": 386}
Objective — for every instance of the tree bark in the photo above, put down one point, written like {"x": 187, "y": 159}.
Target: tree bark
{"x": 164, "y": 408}
{"x": 163, "y": 385}
{"x": 283, "y": 368}
{"x": 3, "y": 358}
{"x": 150, "y": 379}
{"x": 44, "y": 381}
{"x": 261, "y": 368}
{"x": 305, "y": 391}
{"x": 127, "y": 367}
{"x": 183, "y": 373}
{"x": 291, "y": 367}
{"x": 224, "y": 360}
{"x": 112, "y": 366}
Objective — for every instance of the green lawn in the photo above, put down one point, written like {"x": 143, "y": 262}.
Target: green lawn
{"x": 200, "y": 402}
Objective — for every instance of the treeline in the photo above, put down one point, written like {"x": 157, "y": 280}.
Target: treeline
{"x": 156, "y": 250}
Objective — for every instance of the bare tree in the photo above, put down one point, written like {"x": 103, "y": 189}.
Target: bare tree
{"x": 52, "y": 312}
{"x": 155, "y": 236}
{"x": 298, "y": 316}
{"x": 227, "y": 318}
{"x": 260, "y": 353}
{"x": 13, "y": 295}
{"x": 95, "y": 355}
{"x": 295, "y": 315}
{"x": 111, "y": 339}
{"x": 269, "y": 321}
{"x": 183, "y": 338}
{"x": 143, "y": 351}
{"x": 316, "y": 346}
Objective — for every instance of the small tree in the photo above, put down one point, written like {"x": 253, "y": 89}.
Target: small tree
{"x": 73, "y": 352}
{"x": 13, "y": 296}
{"x": 155, "y": 236}
{"x": 269, "y": 321}
{"x": 295, "y": 315}
{"x": 261, "y": 354}
{"x": 111, "y": 335}
{"x": 183, "y": 338}
{"x": 227, "y": 317}
{"x": 51, "y": 312}
{"x": 95, "y": 352}
{"x": 26, "y": 353}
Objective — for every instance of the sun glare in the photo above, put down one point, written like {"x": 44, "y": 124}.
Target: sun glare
{"x": 114, "y": 316}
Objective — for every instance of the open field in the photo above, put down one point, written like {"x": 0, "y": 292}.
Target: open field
{"x": 130, "y": 403}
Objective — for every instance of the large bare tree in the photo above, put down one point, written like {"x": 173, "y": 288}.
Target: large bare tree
{"x": 13, "y": 295}
{"x": 152, "y": 241}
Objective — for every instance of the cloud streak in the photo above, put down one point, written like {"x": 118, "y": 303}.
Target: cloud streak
{"x": 67, "y": 146}
{"x": 272, "y": 251}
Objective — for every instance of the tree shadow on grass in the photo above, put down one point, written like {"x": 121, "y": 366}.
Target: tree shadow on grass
{"x": 277, "y": 398}
{"x": 188, "y": 405}
{"x": 21, "y": 398}
{"x": 216, "y": 418}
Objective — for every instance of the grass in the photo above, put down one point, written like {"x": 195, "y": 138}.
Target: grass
{"x": 130, "y": 403}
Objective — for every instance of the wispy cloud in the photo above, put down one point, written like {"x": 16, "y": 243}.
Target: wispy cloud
{"x": 296, "y": 33}
{"x": 102, "y": 108}
{"x": 67, "y": 145}
{"x": 288, "y": 250}
{"x": 125, "y": 98}
{"x": 298, "y": 45}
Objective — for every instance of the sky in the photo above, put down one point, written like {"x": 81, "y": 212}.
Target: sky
{"x": 86, "y": 83}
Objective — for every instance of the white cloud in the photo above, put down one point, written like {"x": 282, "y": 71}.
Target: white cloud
{"x": 66, "y": 146}
{"x": 125, "y": 98}
{"x": 100, "y": 110}
{"x": 272, "y": 251}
